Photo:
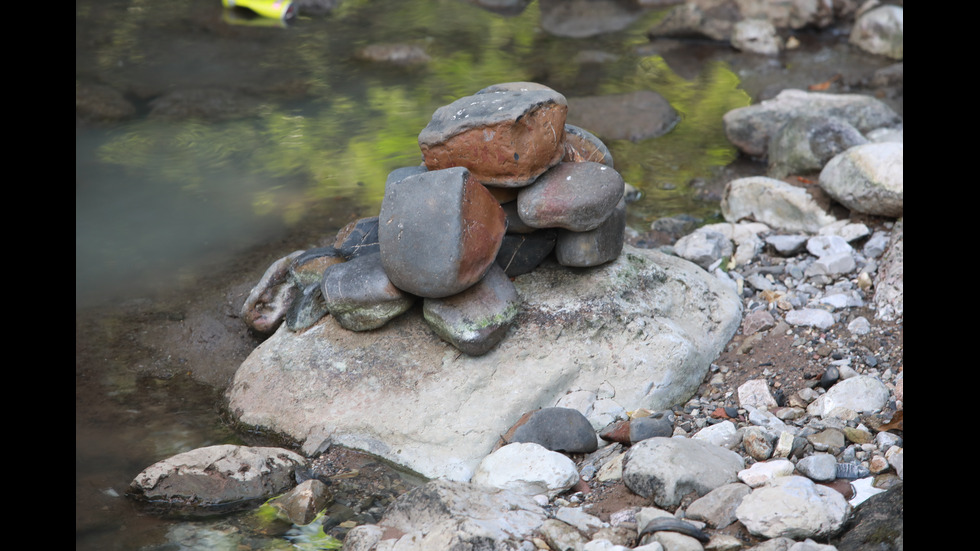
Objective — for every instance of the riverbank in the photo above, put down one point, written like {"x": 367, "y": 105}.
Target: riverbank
{"x": 151, "y": 371}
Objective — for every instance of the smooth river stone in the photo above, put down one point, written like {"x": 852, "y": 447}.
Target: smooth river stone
{"x": 573, "y": 196}
{"x": 514, "y": 222}
{"x": 359, "y": 295}
{"x": 506, "y": 138}
{"x": 400, "y": 174}
{"x": 522, "y": 253}
{"x": 267, "y": 303}
{"x": 358, "y": 238}
{"x": 582, "y": 145}
{"x": 307, "y": 269}
{"x": 557, "y": 429}
{"x": 477, "y": 319}
{"x": 594, "y": 247}
{"x": 439, "y": 232}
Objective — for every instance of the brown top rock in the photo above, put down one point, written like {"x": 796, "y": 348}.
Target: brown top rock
{"x": 505, "y": 137}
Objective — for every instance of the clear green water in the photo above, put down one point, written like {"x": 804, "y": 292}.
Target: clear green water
{"x": 154, "y": 197}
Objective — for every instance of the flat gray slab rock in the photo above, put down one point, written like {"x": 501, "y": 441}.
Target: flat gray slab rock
{"x": 217, "y": 477}
{"x": 635, "y": 116}
{"x": 647, "y": 325}
{"x": 451, "y": 515}
{"x": 667, "y": 469}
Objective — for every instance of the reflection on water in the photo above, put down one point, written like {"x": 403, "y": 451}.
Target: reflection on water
{"x": 287, "y": 120}
{"x": 243, "y": 132}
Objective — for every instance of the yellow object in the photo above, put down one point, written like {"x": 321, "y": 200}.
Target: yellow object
{"x": 273, "y": 9}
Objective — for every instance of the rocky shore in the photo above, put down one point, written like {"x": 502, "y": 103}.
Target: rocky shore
{"x": 796, "y": 427}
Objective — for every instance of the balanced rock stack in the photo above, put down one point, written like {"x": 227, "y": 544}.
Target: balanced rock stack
{"x": 505, "y": 182}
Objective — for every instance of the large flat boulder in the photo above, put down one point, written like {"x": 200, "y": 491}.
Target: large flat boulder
{"x": 647, "y": 324}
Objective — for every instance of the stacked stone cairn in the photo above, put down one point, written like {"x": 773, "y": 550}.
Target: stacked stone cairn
{"x": 505, "y": 182}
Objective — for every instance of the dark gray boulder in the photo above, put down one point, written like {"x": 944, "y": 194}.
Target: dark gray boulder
{"x": 592, "y": 248}
{"x": 439, "y": 232}
{"x": 557, "y": 429}
{"x": 522, "y": 253}
{"x": 359, "y": 237}
{"x": 878, "y": 523}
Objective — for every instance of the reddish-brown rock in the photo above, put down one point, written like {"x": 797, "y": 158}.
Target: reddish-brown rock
{"x": 505, "y": 137}
{"x": 574, "y": 196}
{"x": 439, "y": 232}
{"x": 618, "y": 431}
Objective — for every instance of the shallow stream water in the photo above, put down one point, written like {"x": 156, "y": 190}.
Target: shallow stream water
{"x": 299, "y": 133}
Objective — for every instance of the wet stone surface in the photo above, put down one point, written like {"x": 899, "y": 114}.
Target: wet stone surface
{"x": 362, "y": 487}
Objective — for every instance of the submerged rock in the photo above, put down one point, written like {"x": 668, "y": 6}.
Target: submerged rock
{"x": 750, "y": 128}
{"x": 403, "y": 55}
{"x": 634, "y": 116}
{"x": 100, "y": 103}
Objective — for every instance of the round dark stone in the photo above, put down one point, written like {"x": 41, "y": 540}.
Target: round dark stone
{"x": 642, "y": 428}
{"x": 558, "y": 429}
{"x": 830, "y": 377}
